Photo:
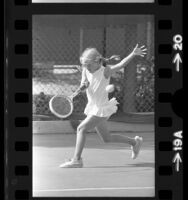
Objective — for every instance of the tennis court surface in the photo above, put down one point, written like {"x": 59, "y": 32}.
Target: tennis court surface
{"x": 108, "y": 168}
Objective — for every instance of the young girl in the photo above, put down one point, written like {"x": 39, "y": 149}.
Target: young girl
{"x": 99, "y": 108}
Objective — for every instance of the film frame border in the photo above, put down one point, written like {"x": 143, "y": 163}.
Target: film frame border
{"x": 19, "y": 70}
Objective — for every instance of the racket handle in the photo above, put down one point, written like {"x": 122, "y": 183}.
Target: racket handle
{"x": 74, "y": 95}
{"x": 79, "y": 90}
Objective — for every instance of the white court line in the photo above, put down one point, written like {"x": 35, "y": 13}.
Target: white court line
{"x": 87, "y": 189}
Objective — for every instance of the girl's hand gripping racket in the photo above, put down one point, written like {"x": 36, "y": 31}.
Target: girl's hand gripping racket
{"x": 62, "y": 105}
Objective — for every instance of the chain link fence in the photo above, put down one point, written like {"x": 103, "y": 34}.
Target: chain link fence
{"x": 58, "y": 42}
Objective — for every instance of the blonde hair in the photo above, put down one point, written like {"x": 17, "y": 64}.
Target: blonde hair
{"x": 92, "y": 54}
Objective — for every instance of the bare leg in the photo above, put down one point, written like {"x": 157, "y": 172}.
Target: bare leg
{"x": 80, "y": 142}
{"x": 107, "y": 137}
{"x": 89, "y": 123}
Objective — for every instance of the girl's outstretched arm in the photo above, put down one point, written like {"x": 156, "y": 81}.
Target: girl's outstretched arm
{"x": 137, "y": 51}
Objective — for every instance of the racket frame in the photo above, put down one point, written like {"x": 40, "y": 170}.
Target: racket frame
{"x": 57, "y": 114}
{"x": 69, "y": 98}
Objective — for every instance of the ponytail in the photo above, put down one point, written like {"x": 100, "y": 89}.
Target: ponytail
{"x": 92, "y": 54}
{"x": 113, "y": 57}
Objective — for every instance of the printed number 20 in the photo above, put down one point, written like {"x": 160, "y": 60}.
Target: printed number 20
{"x": 178, "y": 42}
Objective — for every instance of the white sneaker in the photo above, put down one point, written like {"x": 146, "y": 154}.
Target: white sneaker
{"x": 136, "y": 148}
{"x": 72, "y": 163}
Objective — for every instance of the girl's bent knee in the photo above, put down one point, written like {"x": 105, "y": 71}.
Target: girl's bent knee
{"x": 81, "y": 129}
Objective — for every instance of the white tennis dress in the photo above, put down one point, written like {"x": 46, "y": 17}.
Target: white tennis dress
{"x": 98, "y": 101}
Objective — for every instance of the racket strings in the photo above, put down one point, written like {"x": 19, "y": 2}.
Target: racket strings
{"x": 61, "y": 105}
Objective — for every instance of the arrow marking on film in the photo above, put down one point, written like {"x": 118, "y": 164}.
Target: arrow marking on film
{"x": 177, "y": 159}
{"x": 177, "y": 60}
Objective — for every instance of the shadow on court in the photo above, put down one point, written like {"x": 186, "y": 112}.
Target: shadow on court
{"x": 108, "y": 169}
{"x": 92, "y": 140}
{"x": 147, "y": 165}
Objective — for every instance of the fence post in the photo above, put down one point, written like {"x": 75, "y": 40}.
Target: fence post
{"x": 129, "y": 87}
{"x": 81, "y": 39}
{"x": 130, "y": 74}
{"x": 149, "y": 39}
{"x": 104, "y": 44}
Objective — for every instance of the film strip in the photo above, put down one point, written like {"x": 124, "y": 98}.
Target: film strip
{"x": 168, "y": 91}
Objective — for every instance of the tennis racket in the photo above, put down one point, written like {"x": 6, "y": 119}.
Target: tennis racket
{"x": 62, "y": 105}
